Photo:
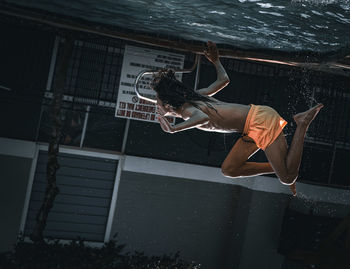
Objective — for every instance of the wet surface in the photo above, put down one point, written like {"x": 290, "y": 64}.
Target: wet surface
{"x": 321, "y": 25}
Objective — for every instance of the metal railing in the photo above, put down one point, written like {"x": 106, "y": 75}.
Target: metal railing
{"x": 152, "y": 72}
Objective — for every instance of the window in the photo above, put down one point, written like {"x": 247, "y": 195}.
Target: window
{"x": 82, "y": 206}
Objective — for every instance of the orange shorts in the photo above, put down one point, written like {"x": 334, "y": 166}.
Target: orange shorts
{"x": 263, "y": 125}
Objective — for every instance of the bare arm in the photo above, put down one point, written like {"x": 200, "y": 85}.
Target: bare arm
{"x": 194, "y": 119}
{"x": 222, "y": 80}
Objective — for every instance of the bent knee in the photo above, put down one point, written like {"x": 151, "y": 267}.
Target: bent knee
{"x": 288, "y": 179}
{"x": 230, "y": 172}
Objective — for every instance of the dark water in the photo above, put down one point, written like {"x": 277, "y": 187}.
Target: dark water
{"x": 317, "y": 25}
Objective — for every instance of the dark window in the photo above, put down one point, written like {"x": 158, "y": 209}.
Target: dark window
{"x": 104, "y": 130}
{"x": 82, "y": 206}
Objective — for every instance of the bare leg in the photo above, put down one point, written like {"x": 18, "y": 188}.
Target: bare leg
{"x": 281, "y": 161}
{"x": 303, "y": 121}
{"x": 236, "y": 165}
{"x": 286, "y": 162}
{"x": 293, "y": 188}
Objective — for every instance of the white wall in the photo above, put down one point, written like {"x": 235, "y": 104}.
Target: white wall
{"x": 15, "y": 164}
{"x": 260, "y": 211}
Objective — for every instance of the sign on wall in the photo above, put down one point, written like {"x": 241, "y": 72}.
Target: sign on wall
{"x": 135, "y": 60}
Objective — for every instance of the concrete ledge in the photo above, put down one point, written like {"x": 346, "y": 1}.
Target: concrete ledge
{"x": 18, "y": 148}
{"x": 26, "y": 149}
{"x": 200, "y": 172}
{"x": 213, "y": 174}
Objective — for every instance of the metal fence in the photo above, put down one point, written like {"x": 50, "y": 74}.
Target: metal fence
{"x": 91, "y": 92}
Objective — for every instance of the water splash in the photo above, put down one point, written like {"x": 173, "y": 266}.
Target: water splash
{"x": 315, "y": 207}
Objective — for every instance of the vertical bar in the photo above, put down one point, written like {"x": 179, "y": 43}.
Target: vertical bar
{"x": 197, "y": 73}
{"x": 49, "y": 81}
{"x": 29, "y": 190}
{"x": 118, "y": 67}
{"x": 84, "y": 127}
{"x": 83, "y": 47}
{"x": 332, "y": 163}
{"x": 114, "y": 200}
{"x": 103, "y": 72}
{"x": 125, "y": 137}
{"x": 77, "y": 52}
{"x": 335, "y": 136}
{"x": 109, "y": 70}
{"x": 52, "y": 63}
{"x": 346, "y": 137}
{"x": 342, "y": 127}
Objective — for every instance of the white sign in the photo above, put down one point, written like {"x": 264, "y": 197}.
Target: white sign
{"x": 136, "y": 60}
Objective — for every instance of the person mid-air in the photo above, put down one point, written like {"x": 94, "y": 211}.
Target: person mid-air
{"x": 261, "y": 126}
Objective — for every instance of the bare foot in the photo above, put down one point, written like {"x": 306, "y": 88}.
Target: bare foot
{"x": 305, "y": 118}
{"x": 293, "y": 189}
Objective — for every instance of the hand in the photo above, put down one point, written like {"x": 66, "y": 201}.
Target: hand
{"x": 161, "y": 110}
{"x": 165, "y": 125}
{"x": 211, "y": 53}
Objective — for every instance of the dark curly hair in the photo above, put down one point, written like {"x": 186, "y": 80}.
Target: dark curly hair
{"x": 175, "y": 93}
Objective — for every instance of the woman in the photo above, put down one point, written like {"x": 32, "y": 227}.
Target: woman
{"x": 261, "y": 126}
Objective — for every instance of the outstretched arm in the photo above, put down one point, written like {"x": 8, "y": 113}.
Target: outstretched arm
{"x": 222, "y": 80}
{"x": 195, "y": 118}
